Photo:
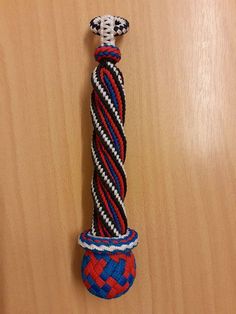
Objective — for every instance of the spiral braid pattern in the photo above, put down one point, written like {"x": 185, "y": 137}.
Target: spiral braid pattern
{"x": 108, "y": 150}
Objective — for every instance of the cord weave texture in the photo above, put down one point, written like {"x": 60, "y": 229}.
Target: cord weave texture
{"x": 108, "y": 146}
{"x": 108, "y": 266}
{"x": 108, "y": 275}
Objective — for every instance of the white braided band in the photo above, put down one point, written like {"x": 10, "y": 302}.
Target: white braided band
{"x": 104, "y": 244}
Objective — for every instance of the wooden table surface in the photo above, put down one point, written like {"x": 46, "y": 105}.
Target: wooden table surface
{"x": 179, "y": 62}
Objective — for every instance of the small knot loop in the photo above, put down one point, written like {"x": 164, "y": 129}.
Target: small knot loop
{"x": 107, "y": 53}
{"x": 108, "y": 27}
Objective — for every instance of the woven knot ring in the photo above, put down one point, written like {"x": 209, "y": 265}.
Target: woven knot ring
{"x": 123, "y": 243}
{"x": 108, "y": 266}
{"x": 107, "y": 53}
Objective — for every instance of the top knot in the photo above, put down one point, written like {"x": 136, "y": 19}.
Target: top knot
{"x": 108, "y": 27}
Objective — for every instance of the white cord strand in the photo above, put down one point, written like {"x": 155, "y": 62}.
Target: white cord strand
{"x": 107, "y": 30}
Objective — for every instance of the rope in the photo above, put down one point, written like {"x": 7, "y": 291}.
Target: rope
{"x": 109, "y": 242}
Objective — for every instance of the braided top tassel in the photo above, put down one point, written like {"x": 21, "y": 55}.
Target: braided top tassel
{"x": 108, "y": 266}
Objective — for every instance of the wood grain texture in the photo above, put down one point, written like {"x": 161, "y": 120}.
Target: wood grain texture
{"x": 179, "y": 61}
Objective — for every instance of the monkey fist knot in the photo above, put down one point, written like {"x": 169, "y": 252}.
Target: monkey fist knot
{"x": 108, "y": 266}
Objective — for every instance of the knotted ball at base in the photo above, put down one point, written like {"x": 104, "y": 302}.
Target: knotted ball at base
{"x": 108, "y": 266}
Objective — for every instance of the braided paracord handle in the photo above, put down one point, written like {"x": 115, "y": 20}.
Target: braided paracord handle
{"x": 108, "y": 266}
